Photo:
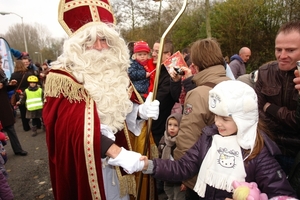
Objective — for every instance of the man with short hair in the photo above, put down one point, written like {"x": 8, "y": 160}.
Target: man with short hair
{"x": 238, "y": 62}
{"x": 277, "y": 95}
{"x": 168, "y": 91}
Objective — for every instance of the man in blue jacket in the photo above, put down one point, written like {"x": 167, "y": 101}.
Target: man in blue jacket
{"x": 238, "y": 62}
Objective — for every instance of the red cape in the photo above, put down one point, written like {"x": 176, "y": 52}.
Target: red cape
{"x": 64, "y": 121}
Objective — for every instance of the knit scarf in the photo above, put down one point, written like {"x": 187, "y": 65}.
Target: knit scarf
{"x": 170, "y": 141}
{"x": 144, "y": 64}
{"x": 222, "y": 165}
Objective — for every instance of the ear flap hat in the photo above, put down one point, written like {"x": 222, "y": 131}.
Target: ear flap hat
{"x": 238, "y": 100}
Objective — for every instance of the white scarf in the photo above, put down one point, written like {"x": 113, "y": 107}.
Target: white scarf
{"x": 222, "y": 165}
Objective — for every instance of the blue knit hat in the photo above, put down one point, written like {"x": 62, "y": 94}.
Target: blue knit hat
{"x": 18, "y": 54}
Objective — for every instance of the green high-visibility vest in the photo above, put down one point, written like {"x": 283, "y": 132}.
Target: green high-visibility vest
{"x": 34, "y": 99}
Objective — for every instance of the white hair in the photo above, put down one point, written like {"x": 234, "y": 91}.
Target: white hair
{"x": 103, "y": 73}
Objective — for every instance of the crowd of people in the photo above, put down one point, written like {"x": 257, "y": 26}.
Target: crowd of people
{"x": 96, "y": 101}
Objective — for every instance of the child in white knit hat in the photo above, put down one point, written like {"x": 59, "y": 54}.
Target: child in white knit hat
{"x": 235, "y": 148}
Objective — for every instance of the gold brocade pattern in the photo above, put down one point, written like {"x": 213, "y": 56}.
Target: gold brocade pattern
{"x": 89, "y": 149}
{"x": 148, "y": 183}
{"x": 127, "y": 183}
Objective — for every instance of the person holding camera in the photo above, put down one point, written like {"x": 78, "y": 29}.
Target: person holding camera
{"x": 208, "y": 63}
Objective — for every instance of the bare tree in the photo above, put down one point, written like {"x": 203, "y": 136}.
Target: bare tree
{"x": 38, "y": 39}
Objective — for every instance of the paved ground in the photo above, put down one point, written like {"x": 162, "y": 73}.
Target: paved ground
{"x": 29, "y": 175}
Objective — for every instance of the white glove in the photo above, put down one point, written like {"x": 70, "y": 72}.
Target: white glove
{"x": 128, "y": 160}
{"x": 149, "y": 109}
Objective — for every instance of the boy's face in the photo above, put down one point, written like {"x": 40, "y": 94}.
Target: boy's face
{"x": 173, "y": 127}
{"x": 141, "y": 56}
{"x": 32, "y": 84}
{"x": 226, "y": 125}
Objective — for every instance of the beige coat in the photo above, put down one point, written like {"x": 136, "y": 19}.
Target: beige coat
{"x": 196, "y": 114}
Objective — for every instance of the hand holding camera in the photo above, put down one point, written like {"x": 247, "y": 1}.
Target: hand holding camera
{"x": 179, "y": 71}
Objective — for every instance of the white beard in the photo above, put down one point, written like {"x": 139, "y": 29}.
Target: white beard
{"x": 105, "y": 77}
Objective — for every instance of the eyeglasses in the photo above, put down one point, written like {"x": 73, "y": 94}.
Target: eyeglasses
{"x": 156, "y": 51}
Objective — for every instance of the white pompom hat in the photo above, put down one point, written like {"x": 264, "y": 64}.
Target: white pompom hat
{"x": 238, "y": 100}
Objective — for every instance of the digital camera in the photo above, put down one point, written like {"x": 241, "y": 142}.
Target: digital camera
{"x": 179, "y": 71}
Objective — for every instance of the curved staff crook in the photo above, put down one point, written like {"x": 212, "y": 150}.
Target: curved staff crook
{"x": 158, "y": 67}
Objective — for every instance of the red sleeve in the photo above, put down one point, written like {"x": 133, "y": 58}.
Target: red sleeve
{"x": 2, "y": 136}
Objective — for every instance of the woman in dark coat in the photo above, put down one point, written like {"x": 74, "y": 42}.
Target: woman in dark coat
{"x": 6, "y": 115}
{"x": 21, "y": 74}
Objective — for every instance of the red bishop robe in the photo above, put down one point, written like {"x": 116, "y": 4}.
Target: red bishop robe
{"x": 73, "y": 139}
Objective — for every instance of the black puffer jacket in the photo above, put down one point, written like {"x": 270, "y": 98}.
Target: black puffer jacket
{"x": 263, "y": 169}
{"x": 168, "y": 93}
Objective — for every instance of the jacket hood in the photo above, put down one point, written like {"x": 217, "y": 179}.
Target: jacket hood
{"x": 236, "y": 57}
{"x": 177, "y": 116}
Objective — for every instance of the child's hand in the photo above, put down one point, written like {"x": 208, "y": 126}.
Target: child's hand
{"x": 42, "y": 75}
{"x": 6, "y": 138}
{"x": 182, "y": 187}
{"x": 13, "y": 82}
{"x": 18, "y": 103}
{"x": 145, "y": 159}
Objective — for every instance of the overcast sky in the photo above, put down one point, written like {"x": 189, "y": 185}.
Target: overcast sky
{"x": 33, "y": 11}
{"x": 44, "y": 12}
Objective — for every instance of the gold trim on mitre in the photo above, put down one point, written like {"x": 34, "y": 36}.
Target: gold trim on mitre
{"x": 93, "y": 6}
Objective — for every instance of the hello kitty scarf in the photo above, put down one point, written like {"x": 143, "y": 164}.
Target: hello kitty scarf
{"x": 222, "y": 165}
